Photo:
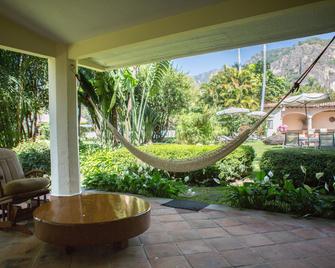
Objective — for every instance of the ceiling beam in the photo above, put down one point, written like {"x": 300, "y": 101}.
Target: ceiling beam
{"x": 225, "y": 12}
{"x": 20, "y": 39}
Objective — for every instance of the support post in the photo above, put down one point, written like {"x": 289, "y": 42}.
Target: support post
{"x": 309, "y": 122}
{"x": 63, "y": 106}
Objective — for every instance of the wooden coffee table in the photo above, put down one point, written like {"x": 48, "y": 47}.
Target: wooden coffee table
{"x": 92, "y": 219}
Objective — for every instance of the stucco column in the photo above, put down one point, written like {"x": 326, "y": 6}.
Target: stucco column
{"x": 65, "y": 175}
{"x": 309, "y": 121}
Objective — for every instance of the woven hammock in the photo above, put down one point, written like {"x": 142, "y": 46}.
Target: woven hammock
{"x": 209, "y": 158}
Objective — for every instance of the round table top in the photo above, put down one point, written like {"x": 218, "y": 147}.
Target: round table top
{"x": 91, "y": 208}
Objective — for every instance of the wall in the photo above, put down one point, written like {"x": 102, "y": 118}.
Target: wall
{"x": 295, "y": 121}
{"x": 321, "y": 120}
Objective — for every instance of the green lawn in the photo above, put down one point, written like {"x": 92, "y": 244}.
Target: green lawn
{"x": 260, "y": 148}
{"x": 214, "y": 195}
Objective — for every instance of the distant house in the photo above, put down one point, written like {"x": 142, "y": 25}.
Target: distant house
{"x": 320, "y": 118}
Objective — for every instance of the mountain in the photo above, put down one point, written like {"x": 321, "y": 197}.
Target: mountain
{"x": 204, "y": 77}
{"x": 290, "y": 62}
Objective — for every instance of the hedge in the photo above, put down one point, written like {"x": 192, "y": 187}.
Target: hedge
{"x": 283, "y": 162}
{"x": 34, "y": 155}
{"x": 236, "y": 165}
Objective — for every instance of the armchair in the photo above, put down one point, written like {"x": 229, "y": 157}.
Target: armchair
{"x": 19, "y": 193}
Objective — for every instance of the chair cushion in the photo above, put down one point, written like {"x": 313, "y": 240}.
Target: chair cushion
{"x": 25, "y": 185}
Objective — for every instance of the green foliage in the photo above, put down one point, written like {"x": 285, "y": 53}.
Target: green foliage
{"x": 23, "y": 96}
{"x": 34, "y": 155}
{"x": 289, "y": 161}
{"x": 276, "y": 86}
{"x": 172, "y": 97}
{"x": 237, "y": 165}
{"x": 114, "y": 161}
{"x": 193, "y": 128}
{"x": 230, "y": 87}
{"x": 280, "y": 197}
{"x": 137, "y": 180}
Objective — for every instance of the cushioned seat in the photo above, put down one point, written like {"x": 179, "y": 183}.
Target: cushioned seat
{"x": 17, "y": 187}
{"x": 25, "y": 185}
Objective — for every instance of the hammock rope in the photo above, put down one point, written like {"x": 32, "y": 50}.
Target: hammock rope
{"x": 208, "y": 158}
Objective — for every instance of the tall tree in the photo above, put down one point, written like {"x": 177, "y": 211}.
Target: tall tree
{"x": 24, "y": 92}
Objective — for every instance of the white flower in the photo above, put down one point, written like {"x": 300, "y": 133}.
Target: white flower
{"x": 217, "y": 180}
{"x": 266, "y": 179}
{"x": 270, "y": 174}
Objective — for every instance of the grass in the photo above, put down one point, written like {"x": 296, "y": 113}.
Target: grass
{"x": 260, "y": 148}
{"x": 214, "y": 195}
{"x": 209, "y": 195}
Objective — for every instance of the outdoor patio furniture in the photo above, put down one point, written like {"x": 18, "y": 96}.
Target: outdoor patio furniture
{"x": 19, "y": 193}
{"x": 326, "y": 139}
{"x": 292, "y": 139}
{"x": 92, "y": 219}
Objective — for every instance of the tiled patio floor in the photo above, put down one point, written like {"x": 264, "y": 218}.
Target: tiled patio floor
{"x": 180, "y": 238}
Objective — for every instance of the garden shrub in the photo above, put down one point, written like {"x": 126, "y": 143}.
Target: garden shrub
{"x": 137, "y": 180}
{"x": 235, "y": 165}
{"x": 34, "y": 155}
{"x": 280, "y": 197}
{"x": 289, "y": 161}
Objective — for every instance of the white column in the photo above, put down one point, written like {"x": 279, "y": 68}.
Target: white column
{"x": 65, "y": 175}
{"x": 309, "y": 122}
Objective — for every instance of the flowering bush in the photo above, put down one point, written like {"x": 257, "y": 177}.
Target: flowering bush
{"x": 283, "y": 128}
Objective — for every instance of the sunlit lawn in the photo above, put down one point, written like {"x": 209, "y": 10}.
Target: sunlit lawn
{"x": 260, "y": 148}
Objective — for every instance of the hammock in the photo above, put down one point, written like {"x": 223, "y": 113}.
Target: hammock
{"x": 209, "y": 158}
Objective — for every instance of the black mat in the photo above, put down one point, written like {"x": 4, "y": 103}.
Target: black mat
{"x": 186, "y": 204}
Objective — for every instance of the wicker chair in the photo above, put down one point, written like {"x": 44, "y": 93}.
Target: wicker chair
{"x": 20, "y": 193}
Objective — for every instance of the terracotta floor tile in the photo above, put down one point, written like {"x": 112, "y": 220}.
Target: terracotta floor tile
{"x": 255, "y": 240}
{"x": 301, "y": 263}
{"x": 207, "y": 260}
{"x": 184, "y": 235}
{"x": 195, "y": 246}
{"x": 282, "y": 237}
{"x": 214, "y": 214}
{"x": 224, "y": 243}
{"x": 228, "y": 222}
{"x": 177, "y": 225}
{"x": 162, "y": 250}
{"x": 163, "y": 211}
{"x": 309, "y": 233}
{"x": 307, "y": 249}
{"x": 322, "y": 262}
{"x": 202, "y": 224}
{"x": 135, "y": 241}
{"x": 241, "y": 257}
{"x": 155, "y": 238}
{"x": 195, "y": 216}
{"x": 212, "y": 232}
{"x": 154, "y": 227}
{"x": 276, "y": 252}
{"x": 170, "y": 262}
{"x": 170, "y": 218}
{"x": 239, "y": 230}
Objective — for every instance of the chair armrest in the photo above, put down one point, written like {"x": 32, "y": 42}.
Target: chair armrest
{"x": 1, "y": 189}
{"x": 35, "y": 173}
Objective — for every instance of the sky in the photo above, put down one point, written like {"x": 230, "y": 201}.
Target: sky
{"x": 206, "y": 62}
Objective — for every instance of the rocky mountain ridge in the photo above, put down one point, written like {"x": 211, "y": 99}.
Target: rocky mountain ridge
{"x": 290, "y": 62}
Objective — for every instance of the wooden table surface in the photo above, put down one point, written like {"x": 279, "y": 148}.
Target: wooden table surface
{"x": 91, "y": 208}
{"x": 92, "y": 219}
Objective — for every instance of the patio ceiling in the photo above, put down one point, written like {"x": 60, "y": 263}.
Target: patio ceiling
{"x": 107, "y": 34}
